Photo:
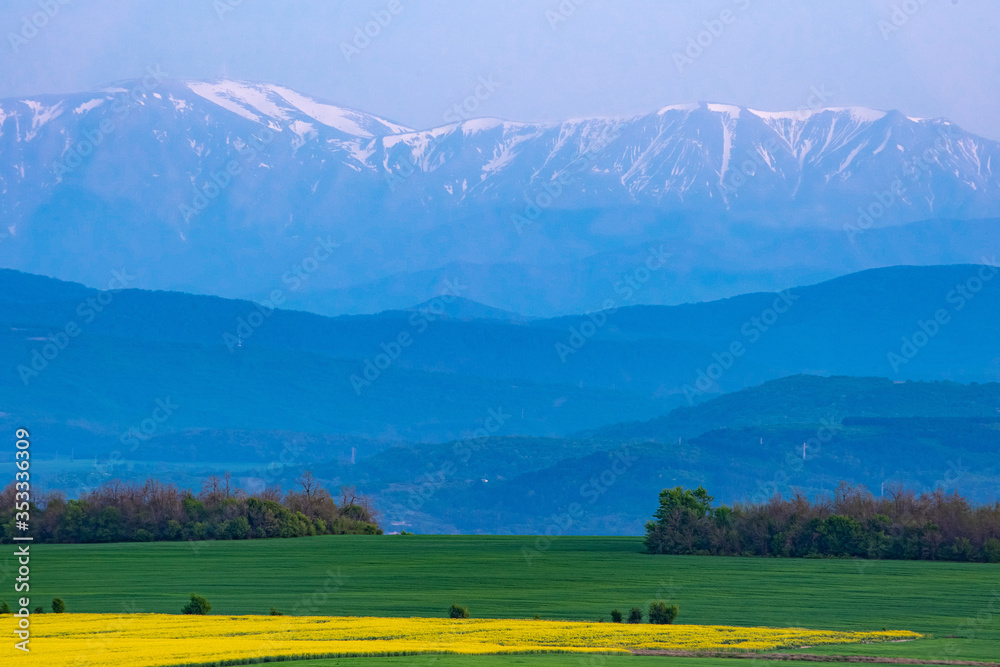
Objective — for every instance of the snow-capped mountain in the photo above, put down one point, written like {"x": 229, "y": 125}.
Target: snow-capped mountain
{"x": 223, "y": 187}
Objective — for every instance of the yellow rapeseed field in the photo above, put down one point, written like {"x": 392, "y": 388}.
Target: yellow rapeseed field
{"x": 151, "y": 640}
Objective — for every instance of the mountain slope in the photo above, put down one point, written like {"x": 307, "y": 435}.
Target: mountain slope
{"x": 154, "y": 178}
{"x": 146, "y": 382}
{"x": 809, "y": 399}
{"x": 854, "y": 325}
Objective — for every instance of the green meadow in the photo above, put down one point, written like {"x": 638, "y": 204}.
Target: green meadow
{"x": 576, "y": 578}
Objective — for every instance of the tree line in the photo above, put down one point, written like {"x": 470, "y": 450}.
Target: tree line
{"x": 853, "y": 523}
{"x": 150, "y": 511}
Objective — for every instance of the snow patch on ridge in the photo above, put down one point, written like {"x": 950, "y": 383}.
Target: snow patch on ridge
{"x": 87, "y": 106}
{"x": 345, "y": 120}
{"x": 800, "y": 115}
{"x": 727, "y": 109}
{"x": 41, "y": 116}
{"x": 677, "y": 107}
{"x": 481, "y": 125}
{"x": 850, "y": 158}
{"x": 303, "y": 132}
{"x": 179, "y": 105}
{"x": 222, "y": 96}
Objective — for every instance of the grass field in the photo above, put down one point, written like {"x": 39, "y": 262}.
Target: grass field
{"x": 573, "y": 578}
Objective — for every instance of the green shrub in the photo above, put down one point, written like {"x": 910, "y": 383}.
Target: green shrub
{"x": 142, "y": 535}
{"x": 661, "y": 614}
{"x": 197, "y": 605}
{"x": 616, "y": 616}
{"x": 991, "y": 550}
{"x": 4, "y": 609}
{"x": 58, "y": 606}
{"x": 458, "y": 612}
{"x": 275, "y": 612}
{"x": 635, "y": 615}
{"x": 38, "y": 610}
{"x": 174, "y": 530}
{"x": 236, "y": 529}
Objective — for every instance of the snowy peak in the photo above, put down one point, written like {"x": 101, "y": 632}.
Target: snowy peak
{"x": 704, "y": 159}
{"x": 856, "y": 114}
{"x": 270, "y": 104}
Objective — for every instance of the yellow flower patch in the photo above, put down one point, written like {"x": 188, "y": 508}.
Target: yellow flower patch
{"x": 154, "y": 640}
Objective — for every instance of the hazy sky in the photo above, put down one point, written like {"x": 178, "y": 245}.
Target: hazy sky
{"x": 606, "y": 58}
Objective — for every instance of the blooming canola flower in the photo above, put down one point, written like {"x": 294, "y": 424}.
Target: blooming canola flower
{"x": 159, "y": 640}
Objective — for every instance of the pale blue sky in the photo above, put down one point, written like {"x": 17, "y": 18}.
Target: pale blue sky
{"x": 607, "y": 58}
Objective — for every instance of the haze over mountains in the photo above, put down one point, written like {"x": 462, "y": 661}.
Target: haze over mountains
{"x": 151, "y": 385}
{"x": 238, "y": 189}
{"x": 696, "y": 291}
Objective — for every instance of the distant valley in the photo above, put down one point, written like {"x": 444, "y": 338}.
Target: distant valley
{"x": 149, "y": 385}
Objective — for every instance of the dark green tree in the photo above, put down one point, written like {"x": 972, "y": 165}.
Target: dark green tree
{"x": 661, "y": 614}
{"x": 197, "y": 605}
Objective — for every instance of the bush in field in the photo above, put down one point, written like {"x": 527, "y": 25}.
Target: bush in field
{"x": 39, "y": 610}
{"x": 4, "y": 609}
{"x": 616, "y": 616}
{"x": 661, "y": 614}
{"x": 458, "y": 612}
{"x": 991, "y": 550}
{"x": 275, "y": 612}
{"x": 635, "y": 615}
{"x": 197, "y": 605}
{"x": 58, "y": 606}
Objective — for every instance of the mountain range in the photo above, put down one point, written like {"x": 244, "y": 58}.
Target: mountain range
{"x": 132, "y": 383}
{"x": 241, "y": 189}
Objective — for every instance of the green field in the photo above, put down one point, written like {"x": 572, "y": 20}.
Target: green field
{"x": 576, "y": 578}
{"x": 542, "y": 661}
